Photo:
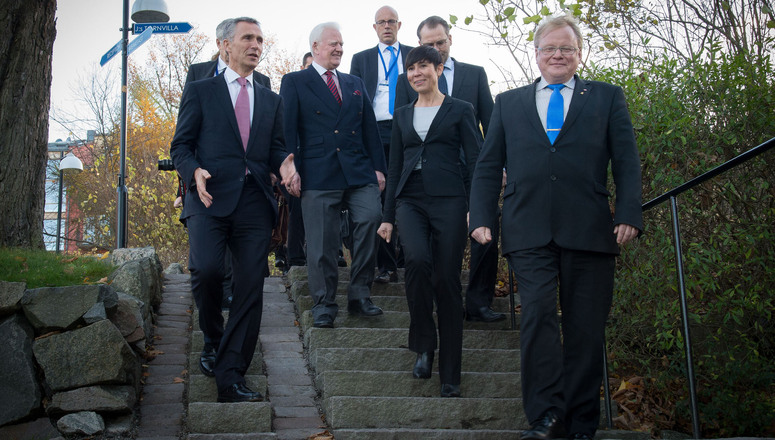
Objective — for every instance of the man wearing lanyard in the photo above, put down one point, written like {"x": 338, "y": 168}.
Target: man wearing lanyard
{"x": 379, "y": 68}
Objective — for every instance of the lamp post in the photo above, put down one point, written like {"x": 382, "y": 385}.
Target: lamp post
{"x": 69, "y": 162}
{"x": 143, "y": 11}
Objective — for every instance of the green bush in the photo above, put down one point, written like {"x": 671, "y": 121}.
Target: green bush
{"x": 689, "y": 119}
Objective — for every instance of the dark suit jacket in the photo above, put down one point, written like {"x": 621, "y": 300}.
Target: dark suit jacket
{"x": 207, "y": 70}
{"x": 338, "y": 146}
{"x": 207, "y": 136}
{"x": 470, "y": 84}
{"x": 453, "y": 130}
{"x": 365, "y": 65}
{"x": 558, "y": 192}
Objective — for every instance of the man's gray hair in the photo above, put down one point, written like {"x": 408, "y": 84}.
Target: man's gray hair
{"x": 219, "y": 30}
{"x": 317, "y": 32}
{"x": 231, "y": 25}
{"x": 553, "y": 22}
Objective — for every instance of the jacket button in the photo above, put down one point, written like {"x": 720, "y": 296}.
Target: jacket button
{"x": 317, "y": 112}
{"x": 336, "y": 131}
{"x": 553, "y": 177}
{"x": 353, "y": 131}
{"x": 338, "y": 150}
{"x": 553, "y": 150}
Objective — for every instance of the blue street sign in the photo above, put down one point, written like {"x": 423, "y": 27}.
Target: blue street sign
{"x": 134, "y": 44}
{"x": 163, "y": 28}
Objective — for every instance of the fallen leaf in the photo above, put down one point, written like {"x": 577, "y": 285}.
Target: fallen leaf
{"x": 184, "y": 373}
{"x": 178, "y": 380}
{"x": 103, "y": 280}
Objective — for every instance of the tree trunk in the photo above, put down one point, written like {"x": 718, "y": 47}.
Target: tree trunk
{"x": 26, "y": 42}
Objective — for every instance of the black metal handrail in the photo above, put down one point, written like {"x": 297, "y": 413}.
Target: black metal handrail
{"x": 672, "y": 196}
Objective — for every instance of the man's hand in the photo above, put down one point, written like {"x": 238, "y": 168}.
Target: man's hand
{"x": 482, "y": 234}
{"x": 503, "y": 181}
{"x": 380, "y": 180}
{"x": 625, "y": 233}
{"x": 291, "y": 178}
{"x": 201, "y": 176}
{"x": 178, "y": 202}
{"x": 385, "y": 231}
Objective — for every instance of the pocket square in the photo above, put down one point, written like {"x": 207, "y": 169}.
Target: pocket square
{"x": 357, "y": 93}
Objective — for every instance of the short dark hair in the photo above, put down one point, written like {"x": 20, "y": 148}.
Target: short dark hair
{"x": 431, "y": 22}
{"x": 304, "y": 58}
{"x": 423, "y": 53}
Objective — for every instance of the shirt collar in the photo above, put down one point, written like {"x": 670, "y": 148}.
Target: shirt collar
{"x": 571, "y": 83}
{"x": 220, "y": 65}
{"x": 321, "y": 70}
{"x": 231, "y": 76}
{"x": 383, "y": 47}
{"x": 450, "y": 64}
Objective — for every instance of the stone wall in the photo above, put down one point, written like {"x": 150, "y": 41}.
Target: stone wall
{"x": 71, "y": 356}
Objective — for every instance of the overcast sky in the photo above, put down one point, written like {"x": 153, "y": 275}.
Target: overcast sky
{"x": 86, "y": 29}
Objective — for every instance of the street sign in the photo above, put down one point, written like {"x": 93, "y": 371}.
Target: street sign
{"x": 134, "y": 44}
{"x": 163, "y": 28}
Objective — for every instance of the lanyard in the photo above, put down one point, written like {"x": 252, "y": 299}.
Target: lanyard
{"x": 393, "y": 65}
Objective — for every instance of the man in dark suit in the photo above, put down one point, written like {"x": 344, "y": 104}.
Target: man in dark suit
{"x": 469, "y": 83}
{"x": 342, "y": 166}
{"x": 228, "y": 139}
{"x": 556, "y": 139}
{"x": 379, "y": 68}
{"x": 214, "y": 67}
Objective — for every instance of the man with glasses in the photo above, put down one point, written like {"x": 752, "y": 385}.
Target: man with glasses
{"x": 379, "y": 68}
{"x": 557, "y": 138}
{"x": 469, "y": 83}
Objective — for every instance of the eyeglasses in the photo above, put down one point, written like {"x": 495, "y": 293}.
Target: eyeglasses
{"x": 388, "y": 22}
{"x": 440, "y": 43}
{"x": 564, "y": 50}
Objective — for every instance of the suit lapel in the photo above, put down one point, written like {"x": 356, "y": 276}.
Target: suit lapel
{"x": 528, "y": 98}
{"x": 371, "y": 73}
{"x": 581, "y": 93}
{"x": 446, "y": 105}
{"x": 258, "y": 104}
{"x": 211, "y": 69}
{"x": 346, "y": 87}
{"x": 318, "y": 87}
{"x": 457, "y": 78}
{"x": 223, "y": 100}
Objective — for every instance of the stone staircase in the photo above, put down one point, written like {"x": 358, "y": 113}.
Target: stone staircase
{"x": 363, "y": 369}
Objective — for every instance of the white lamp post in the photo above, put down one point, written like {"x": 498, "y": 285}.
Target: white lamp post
{"x": 143, "y": 11}
{"x": 69, "y": 162}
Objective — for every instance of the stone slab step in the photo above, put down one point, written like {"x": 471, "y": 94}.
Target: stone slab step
{"x": 256, "y": 366}
{"x": 203, "y": 389}
{"x": 425, "y": 434}
{"x": 224, "y": 436}
{"x": 299, "y": 273}
{"x": 390, "y": 303}
{"x": 401, "y": 359}
{"x": 425, "y": 413}
{"x": 243, "y": 417}
{"x": 390, "y": 319}
{"x": 315, "y": 338}
{"x": 402, "y": 384}
{"x": 301, "y": 289}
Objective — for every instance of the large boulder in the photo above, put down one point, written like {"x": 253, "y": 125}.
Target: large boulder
{"x": 60, "y": 308}
{"x": 151, "y": 266}
{"x": 82, "y": 423}
{"x": 128, "y": 318}
{"x": 92, "y": 355}
{"x": 18, "y": 384}
{"x": 10, "y": 295}
{"x": 101, "y": 398}
{"x": 134, "y": 278}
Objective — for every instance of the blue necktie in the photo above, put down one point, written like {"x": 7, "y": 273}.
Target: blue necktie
{"x": 392, "y": 78}
{"x": 443, "y": 86}
{"x": 555, "y": 113}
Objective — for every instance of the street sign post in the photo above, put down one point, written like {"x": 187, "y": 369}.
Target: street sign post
{"x": 163, "y": 28}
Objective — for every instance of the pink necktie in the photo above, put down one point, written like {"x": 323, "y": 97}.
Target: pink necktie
{"x": 242, "y": 112}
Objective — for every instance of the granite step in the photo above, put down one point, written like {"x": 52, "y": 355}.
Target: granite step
{"x": 402, "y": 359}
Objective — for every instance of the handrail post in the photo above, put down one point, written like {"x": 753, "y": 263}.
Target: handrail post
{"x": 685, "y": 317}
{"x": 609, "y": 423}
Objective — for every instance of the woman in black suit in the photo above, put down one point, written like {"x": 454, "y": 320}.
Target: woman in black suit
{"x": 427, "y": 194}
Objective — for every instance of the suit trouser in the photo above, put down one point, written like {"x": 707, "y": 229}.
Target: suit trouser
{"x": 434, "y": 239}
{"x": 565, "y": 376}
{"x": 386, "y": 252}
{"x": 322, "y": 210}
{"x": 295, "y": 243}
{"x": 483, "y": 272}
{"x": 247, "y": 233}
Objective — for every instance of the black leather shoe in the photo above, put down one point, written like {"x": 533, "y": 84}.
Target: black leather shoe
{"x": 579, "y": 436}
{"x": 448, "y": 390}
{"x": 239, "y": 392}
{"x": 340, "y": 261}
{"x": 548, "y": 427}
{"x": 323, "y": 321}
{"x": 423, "y": 365}
{"x": 363, "y": 307}
{"x": 207, "y": 361}
{"x": 279, "y": 262}
{"x": 386, "y": 276}
{"x": 484, "y": 314}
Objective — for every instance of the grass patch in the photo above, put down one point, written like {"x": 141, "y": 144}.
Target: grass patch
{"x": 40, "y": 268}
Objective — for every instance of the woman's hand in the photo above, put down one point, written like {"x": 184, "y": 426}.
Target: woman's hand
{"x": 385, "y": 231}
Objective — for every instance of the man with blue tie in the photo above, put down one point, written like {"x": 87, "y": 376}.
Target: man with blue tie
{"x": 342, "y": 166}
{"x": 379, "y": 68}
{"x": 556, "y": 138}
{"x": 229, "y": 138}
